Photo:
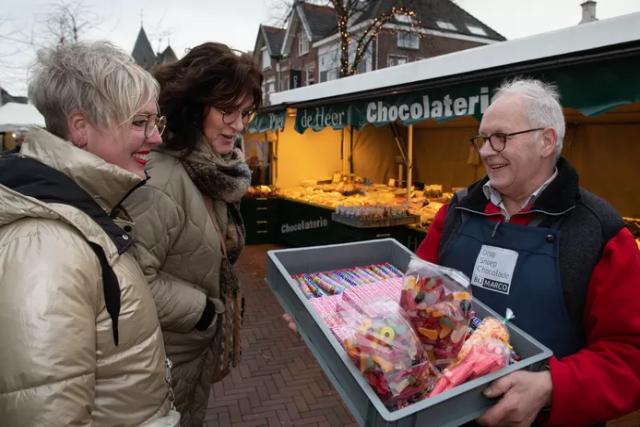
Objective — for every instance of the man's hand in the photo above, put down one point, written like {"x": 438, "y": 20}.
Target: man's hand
{"x": 523, "y": 393}
{"x": 291, "y": 324}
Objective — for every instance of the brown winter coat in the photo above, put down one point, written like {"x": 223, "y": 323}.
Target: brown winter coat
{"x": 180, "y": 253}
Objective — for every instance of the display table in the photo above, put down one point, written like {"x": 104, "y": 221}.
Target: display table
{"x": 295, "y": 223}
{"x": 260, "y": 215}
{"x": 304, "y": 224}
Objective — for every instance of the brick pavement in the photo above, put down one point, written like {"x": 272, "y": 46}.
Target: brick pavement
{"x": 278, "y": 382}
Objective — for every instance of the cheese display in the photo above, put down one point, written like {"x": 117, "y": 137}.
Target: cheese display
{"x": 371, "y": 201}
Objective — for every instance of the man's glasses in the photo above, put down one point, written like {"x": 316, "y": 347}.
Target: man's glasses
{"x": 229, "y": 117}
{"x": 150, "y": 123}
{"x": 498, "y": 141}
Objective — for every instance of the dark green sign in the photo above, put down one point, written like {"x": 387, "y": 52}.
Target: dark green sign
{"x": 263, "y": 122}
{"x": 591, "y": 88}
{"x": 442, "y": 104}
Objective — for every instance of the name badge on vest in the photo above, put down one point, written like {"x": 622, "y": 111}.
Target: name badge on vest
{"x": 494, "y": 267}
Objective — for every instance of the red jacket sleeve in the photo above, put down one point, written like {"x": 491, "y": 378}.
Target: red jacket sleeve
{"x": 602, "y": 381}
{"x": 428, "y": 249}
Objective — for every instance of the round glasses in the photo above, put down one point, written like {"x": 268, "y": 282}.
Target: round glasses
{"x": 150, "y": 122}
{"x": 230, "y": 117}
{"x": 498, "y": 141}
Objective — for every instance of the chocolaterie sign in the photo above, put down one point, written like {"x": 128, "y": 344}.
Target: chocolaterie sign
{"x": 591, "y": 88}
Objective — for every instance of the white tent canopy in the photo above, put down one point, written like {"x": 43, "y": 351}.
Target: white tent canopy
{"x": 14, "y": 115}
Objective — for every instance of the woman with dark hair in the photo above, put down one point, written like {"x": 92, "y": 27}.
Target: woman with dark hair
{"x": 189, "y": 230}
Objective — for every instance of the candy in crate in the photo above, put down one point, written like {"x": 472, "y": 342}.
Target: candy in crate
{"x": 486, "y": 350}
{"x": 388, "y": 353}
{"x": 437, "y": 301}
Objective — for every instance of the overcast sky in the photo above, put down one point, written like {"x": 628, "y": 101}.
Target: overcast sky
{"x": 187, "y": 23}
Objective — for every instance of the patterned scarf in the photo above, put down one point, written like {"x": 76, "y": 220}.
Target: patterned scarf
{"x": 224, "y": 178}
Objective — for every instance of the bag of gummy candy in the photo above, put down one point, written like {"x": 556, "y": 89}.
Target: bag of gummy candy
{"x": 487, "y": 350}
{"x": 389, "y": 355}
{"x": 437, "y": 301}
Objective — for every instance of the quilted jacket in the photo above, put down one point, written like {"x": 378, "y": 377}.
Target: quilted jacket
{"x": 59, "y": 363}
{"x": 179, "y": 252}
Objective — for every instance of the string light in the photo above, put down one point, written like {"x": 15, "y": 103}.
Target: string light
{"x": 370, "y": 34}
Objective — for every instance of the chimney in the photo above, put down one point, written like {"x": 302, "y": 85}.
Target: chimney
{"x": 588, "y": 12}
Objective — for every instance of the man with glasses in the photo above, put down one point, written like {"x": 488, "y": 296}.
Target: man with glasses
{"x": 532, "y": 240}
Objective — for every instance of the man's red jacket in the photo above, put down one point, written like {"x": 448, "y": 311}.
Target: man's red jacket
{"x": 601, "y": 381}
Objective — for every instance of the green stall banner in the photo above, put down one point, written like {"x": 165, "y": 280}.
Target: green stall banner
{"x": 591, "y": 88}
{"x": 264, "y": 122}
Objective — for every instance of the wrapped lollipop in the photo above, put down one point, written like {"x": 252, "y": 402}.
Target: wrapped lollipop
{"x": 390, "y": 356}
{"x": 437, "y": 301}
{"x": 486, "y": 350}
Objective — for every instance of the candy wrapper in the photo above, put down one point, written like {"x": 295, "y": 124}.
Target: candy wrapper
{"x": 486, "y": 350}
{"x": 389, "y": 354}
{"x": 437, "y": 301}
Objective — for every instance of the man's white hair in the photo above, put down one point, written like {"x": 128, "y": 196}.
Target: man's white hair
{"x": 543, "y": 107}
{"x": 97, "y": 79}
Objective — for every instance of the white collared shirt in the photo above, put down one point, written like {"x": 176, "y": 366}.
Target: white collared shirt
{"x": 496, "y": 198}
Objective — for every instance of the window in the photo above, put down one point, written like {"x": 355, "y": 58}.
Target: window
{"x": 303, "y": 43}
{"x": 446, "y": 25}
{"x": 329, "y": 63}
{"x": 332, "y": 74}
{"x": 396, "y": 60}
{"x": 477, "y": 30}
{"x": 266, "y": 59}
{"x": 408, "y": 40}
{"x": 310, "y": 73}
{"x": 403, "y": 18}
{"x": 365, "y": 63}
{"x": 268, "y": 87}
{"x": 283, "y": 80}
{"x": 363, "y": 66}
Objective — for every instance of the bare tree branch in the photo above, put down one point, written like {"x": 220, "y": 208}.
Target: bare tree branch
{"x": 68, "y": 21}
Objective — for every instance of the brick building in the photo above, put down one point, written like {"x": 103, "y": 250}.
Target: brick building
{"x": 307, "y": 50}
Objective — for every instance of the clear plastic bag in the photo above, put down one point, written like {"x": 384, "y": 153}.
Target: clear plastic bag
{"x": 388, "y": 353}
{"x": 486, "y": 350}
{"x": 437, "y": 301}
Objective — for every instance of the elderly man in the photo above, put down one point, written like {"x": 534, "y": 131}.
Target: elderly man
{"x": 560, "y": 257}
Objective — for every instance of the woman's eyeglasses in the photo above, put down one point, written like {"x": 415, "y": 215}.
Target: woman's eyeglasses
{"x": 229, "y": 117}
{"x": 150, "y": 123}
{"x": 498, "y": 141}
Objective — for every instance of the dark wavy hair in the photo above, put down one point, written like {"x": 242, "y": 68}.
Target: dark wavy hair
{"x": 209, "y": 74}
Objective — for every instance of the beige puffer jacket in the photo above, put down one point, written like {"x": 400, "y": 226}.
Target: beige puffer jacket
{"x": 179, "y": 251}
{"x": 59, "y": 365}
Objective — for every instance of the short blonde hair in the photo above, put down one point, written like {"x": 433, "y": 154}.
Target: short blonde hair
{"x": 97, "y": 79}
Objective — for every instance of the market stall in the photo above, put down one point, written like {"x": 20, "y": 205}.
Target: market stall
{"x": 424, "y": 112}
{"x": 15, "y": 119}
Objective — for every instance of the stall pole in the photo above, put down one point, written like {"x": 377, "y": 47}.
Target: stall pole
{"x": 350, "y": 149}
{"x": 342, "y": 156}
{"x": 409, "y": 162}
{"x": 274, "y": 159}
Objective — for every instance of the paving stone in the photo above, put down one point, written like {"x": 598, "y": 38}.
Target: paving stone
{"x": 278, "y": 381}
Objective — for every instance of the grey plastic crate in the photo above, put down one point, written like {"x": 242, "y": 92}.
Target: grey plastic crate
{"x": 451, "y": 408}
